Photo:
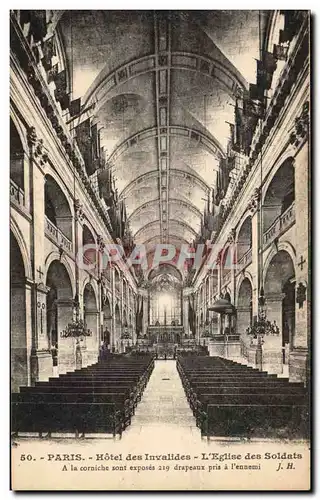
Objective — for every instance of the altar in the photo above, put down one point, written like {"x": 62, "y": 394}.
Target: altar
{"x": 165, "y": 334}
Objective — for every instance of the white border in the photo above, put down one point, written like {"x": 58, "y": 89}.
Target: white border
{"x": 4, "y": 191}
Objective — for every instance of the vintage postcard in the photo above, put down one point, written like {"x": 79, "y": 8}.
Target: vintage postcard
{"x": 160, "y": 279}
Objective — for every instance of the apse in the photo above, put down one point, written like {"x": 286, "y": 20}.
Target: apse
{"x": 165, "y": 295}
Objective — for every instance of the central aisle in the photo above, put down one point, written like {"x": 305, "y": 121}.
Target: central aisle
{"x": 164, "y": 406}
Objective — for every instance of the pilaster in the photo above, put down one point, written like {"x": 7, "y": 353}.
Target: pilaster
{"x": 253, "y": 208}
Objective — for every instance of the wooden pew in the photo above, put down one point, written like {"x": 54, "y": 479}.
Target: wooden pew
{"x": 228, "y": 399}
{"x": 255, "y": 420}
{"x": 100, "y": 398}
{"x": 68, "y": 417}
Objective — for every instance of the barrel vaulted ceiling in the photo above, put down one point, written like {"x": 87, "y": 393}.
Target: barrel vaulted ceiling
{"x": 164, "y": 86}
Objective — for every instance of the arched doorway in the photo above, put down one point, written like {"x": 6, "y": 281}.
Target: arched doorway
{"x": 280, "y": 299}
{"x": 60, "y": 310}
{"x": 20, "y": 350}
{"x": 107, "y": 323}
{"x": 91, "y": 320}
{"x": 244, "y": 313}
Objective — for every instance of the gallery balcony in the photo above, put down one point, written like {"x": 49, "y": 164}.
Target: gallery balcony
{"x": 280, "y": 225}
{"x": 57, "y": 236}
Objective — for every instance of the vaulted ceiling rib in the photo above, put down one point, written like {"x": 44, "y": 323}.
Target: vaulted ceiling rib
{"x": 164, "y": 89}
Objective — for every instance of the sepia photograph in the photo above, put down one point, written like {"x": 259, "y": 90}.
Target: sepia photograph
{"x": 160, "y": 250}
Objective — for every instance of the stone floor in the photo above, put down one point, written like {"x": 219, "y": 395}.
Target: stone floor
{"x": 164, "y": 406}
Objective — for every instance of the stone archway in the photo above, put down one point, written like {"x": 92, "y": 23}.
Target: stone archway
{"x": 58, "y": 213}
{"x": 20, "y": 347}
{"x": 279, "y": 286}
{"x": 244, "y": 314}
{"x": 107, "y": 324}
{"x": 17, "y": 155}
{"x": 244, "y": 240}
{"x": 91, "y": 320}
{"x": 89, "y": 246}
{"x": 117, "y": 333}
{"x": 60, "y": 310}
{"x": 279, "y": 195}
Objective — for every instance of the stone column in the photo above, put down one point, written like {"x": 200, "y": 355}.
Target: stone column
{"x": 298, "y": 358}
{"x": 220, "y": 318}
{"x": 41, "y": 358}
{"x": 232, "y": 250}
{"x": 122, "y": 301}
{"x": 21, "y": 338}
{"x": 185, "y": 298}
{"x": 145, "y": 312}
{"x": 113, "y": 312}
{"x": 255, "y": 221}
{"x": 210, "y": 288}
{"x": 198, "y": 313}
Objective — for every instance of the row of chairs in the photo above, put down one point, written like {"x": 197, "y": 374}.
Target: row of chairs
{"x": 229, "y": 399}
{"x": 98, "y": 399}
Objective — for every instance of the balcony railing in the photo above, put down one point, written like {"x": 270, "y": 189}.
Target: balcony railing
{"x": 22, "y": 51}
{"x": 16, "y": 194}
{"x": 245, "y": 260}
{"x": 280, "y": 225}
{"x": 54, "y": 233}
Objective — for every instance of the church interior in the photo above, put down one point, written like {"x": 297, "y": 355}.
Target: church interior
{"x": 160, "y": 220}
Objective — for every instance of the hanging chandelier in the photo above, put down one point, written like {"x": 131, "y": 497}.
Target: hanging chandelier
{"x": 262, "y": 326}
{"x": 77, "y": 328}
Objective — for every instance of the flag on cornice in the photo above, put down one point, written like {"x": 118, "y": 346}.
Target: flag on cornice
{"x": 291, "y": 26}
{"x": 60, "y": 92}
{"x": 83, "y": 135}
{"x": 38, "y": 23}
{"x": 75, "y": 107}
{"x": 95, "y": 142}
{"x": 244, "y": 128}
{"x": 49, "y": 51}
{"x": 255, "y": 92}
{"x": 52, "y": 73}
{"x": 280, "y": 52}
{"x": 102, "y": 159}
{"x": 254, "y": 108}
{"x": 265, "y": 70}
